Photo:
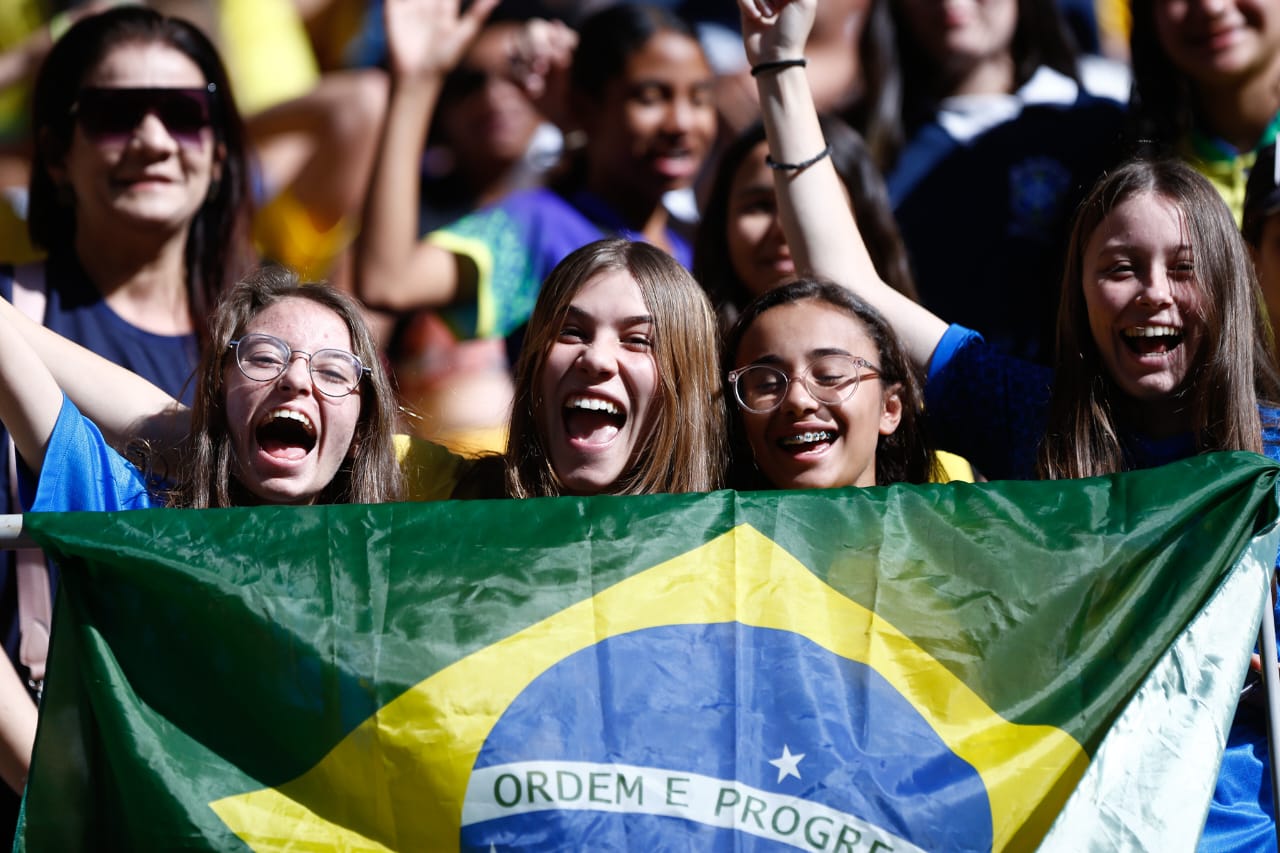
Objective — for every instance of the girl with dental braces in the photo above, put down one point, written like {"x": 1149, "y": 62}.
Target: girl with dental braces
{"x": 1161, "y": 351}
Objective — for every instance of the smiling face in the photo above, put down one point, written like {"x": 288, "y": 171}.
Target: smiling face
{"x": 598, "y": 384}
{"x": 653, "y": 126}
{"x": 289, "y": 439}
{"x": 758, "y": 251}
{"x": 1141, "y": 294}
{"x": 1214, "y": 41}
{"x": 805, "y": 443}
{"x": 152, "y": 179}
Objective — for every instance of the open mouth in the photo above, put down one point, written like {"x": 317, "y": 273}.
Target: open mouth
{"x": 807, "y": 440}
{"x": 592, "y": 420}
{"x": 286, "y": 434}
{"x": 676, "y": 162}
{"x": 1152, "y": 340}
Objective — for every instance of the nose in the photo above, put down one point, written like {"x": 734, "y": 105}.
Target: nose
{"x": 798, "y": 400}
{"x": 297, "y": 373}
{"x": 598, "y": 359}
{"x": 1157, "y": 291}
{"x": 152, "y": 135}
{"x": 774, "y": 232}
{"x": 679, "y": 116}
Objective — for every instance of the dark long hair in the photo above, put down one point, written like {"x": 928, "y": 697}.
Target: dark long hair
{"x": 1040, "y": 38}
{"x": 217, "y": 247}
{"x": 1162, "y": 103}
{"x": 905, "y": 455}
{"x": 370, "y": 474}
{"x": 871, "y": 208}
{"x": 876, "y": 112}
{"x": 1232, "y": 368}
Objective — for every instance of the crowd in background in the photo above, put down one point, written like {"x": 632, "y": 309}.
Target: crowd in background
{"x": 612, "y": 248}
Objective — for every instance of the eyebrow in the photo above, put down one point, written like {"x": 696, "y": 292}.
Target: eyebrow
{"x": 638, "y": 320}
{"x": 1128, "y": 247}
{"x": 811, "y": 354}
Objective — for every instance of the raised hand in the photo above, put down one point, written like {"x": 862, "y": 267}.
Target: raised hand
{"x": 428, "y": 38}
{"x": 776, "y": 29}
{"x": 541, "y": 54}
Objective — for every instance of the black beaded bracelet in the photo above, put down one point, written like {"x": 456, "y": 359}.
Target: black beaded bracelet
{"x": 777, "y": 65}
{"x": 796, "y": 167}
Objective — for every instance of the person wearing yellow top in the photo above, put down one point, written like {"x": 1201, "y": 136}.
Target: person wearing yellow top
{"x": 1204, "y": 85}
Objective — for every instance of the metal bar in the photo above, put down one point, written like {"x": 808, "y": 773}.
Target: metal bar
{"x": 11, "y": 535}
{"x": 1271, "y": 681}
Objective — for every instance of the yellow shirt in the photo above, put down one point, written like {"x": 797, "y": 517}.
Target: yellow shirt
{"x": 431, "y": 471}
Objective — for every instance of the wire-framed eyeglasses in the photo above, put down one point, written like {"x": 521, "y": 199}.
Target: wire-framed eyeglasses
{"x": 831, "y": 379}
{"x": 334, "y": 372}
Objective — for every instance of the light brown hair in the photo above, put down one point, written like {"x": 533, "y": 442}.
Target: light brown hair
{"x": 1232, "y": 367}
{"x": 370, "y": 474}
{"x": 685, "y": 449}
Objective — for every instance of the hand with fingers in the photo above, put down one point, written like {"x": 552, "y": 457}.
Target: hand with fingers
{"x": 541, "y": 55}
{"x": 774, "y": 30}
{"x": 427, "y": 38}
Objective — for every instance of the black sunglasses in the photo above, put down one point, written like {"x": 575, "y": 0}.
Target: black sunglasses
{"x": 107, "y": 113}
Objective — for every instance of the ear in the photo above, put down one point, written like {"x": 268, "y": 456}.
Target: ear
{"x": 582, "y": 115}
{"x": 891, "y": 410}
{"x": 53, "y": 155}
{"x": 219, "y": 157}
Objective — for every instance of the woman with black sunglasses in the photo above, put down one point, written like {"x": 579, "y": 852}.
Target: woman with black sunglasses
{"x": 138, "y": 196}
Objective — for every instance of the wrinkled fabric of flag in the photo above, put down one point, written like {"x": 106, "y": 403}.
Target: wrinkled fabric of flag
{"x": 1002, "y": 666}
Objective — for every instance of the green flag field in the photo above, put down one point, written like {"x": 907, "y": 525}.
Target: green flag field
{"x": 958, "y": 667}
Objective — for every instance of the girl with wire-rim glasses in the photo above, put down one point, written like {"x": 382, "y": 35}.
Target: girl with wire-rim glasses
{"x": 296, "y": 411}
{"x": 1160, "y": 350}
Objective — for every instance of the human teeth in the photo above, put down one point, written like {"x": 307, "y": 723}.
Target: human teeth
{"x": 808, "y": 437}
{"x": 1151, "y": 331}
{"x": 290, "y": 415}
{"x": 593, "y": 404}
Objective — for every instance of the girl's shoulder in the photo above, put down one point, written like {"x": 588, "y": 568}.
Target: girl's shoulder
{"x": 82, "y": 473}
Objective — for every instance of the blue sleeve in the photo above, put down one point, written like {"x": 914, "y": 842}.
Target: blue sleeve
{"x": 1240, "y": 812}
{"x": 985, "y": 405}
{"x": 82, "y": 472}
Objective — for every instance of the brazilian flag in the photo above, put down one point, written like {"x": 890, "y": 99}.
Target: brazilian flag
{"x": 960, "y": 667}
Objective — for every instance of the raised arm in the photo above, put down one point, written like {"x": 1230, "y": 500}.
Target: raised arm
{"x": 30, "y": 398}
{"x": 816, "y": 215}
{"x": 123, "y": 405}
{"x": 394, "y": 269}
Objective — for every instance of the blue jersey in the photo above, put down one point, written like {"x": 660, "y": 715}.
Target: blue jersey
{"x": 993, "y": 409}
{"x": 76, "y": 310}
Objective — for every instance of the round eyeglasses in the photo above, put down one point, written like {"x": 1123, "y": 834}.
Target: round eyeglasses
{"x": 831, "y": 379}
{"x": 334, "y": 372}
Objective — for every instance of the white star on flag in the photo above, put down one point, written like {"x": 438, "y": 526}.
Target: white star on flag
{"x": 787, "y": 764}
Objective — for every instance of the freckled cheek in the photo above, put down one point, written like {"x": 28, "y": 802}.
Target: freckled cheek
{"x": 239, "y": 407}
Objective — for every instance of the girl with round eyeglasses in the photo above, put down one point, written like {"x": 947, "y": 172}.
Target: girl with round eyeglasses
{"x": 139, "y": 201}
{"x": 825, "y": 396}
{"x": 1160, "y": 351}
{"x": 291, "y": 408}
{"x": 617, "y": 392}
